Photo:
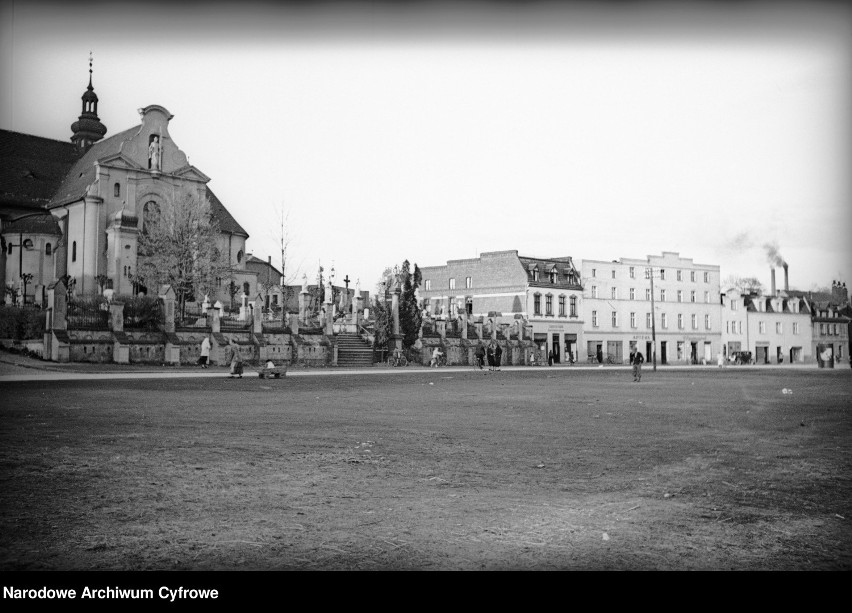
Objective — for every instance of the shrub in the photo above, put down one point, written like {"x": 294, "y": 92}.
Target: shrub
{"x": 22, "y": 323}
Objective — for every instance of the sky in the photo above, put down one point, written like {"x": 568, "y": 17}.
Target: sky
{"x": 438, "y": 131}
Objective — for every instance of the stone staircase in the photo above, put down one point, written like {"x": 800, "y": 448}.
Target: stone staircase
{"x": 353, "y": 351}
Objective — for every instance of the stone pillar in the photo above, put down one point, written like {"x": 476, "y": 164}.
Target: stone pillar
{"x": 167, "y": 295}
{"x": 442, "y": 329}
{"x": 294, "y": 323}
{"x": 493, "y": 327}
{"x": 57, "y": 348}
{"x": 257, "y": 324}
{"x": 358, "y": 311}
{"x": 396, "y": 337}
{"x": 116, "y": 316}
{"x": 303, "y": 305}
{"x": 329, "y": 316}
{"x": 478, "y": 326}
{"x": 219, "y": 309}
{"x": 464, "y": 326}
{"x": 214, "y": 320}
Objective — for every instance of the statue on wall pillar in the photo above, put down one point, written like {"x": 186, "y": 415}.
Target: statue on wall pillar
{"x": 154, "y": 153}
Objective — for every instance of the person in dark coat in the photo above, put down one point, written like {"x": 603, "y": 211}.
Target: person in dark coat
{"x": 636, "y": 359}
{"x": 490, "y": 353}
{"x": 498, "y": 353}
{"x": 480, "y": 356}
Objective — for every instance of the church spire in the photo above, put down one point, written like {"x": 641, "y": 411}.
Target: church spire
{"x": 88, "y": 128}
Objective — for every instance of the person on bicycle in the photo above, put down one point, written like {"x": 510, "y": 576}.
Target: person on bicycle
{"x": 436, "y": 355}
{"x": 480, "y": 356}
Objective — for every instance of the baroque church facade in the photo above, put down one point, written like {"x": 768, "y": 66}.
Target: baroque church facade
{"x": 76, "y": 209}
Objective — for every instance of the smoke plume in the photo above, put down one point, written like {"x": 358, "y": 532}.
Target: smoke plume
{"x": 773, "y": 255}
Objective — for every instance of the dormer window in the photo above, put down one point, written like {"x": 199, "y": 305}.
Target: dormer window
{"x": 535, "y": 274}
{"x": 553, "y": 276}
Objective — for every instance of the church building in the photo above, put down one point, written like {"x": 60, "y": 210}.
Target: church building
{"x": 76, "y": 209}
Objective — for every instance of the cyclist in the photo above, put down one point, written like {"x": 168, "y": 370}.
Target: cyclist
{"x": 436, "y": 355}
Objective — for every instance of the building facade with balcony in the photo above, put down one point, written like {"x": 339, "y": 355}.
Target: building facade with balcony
{"x": 502, "y": 287}
{"x": 617, "y": 309}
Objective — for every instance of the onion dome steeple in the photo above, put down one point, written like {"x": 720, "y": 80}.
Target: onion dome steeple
{"x": 88, "y": 128}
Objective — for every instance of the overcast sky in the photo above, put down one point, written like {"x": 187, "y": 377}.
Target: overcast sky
{"x": 594, "y": 130}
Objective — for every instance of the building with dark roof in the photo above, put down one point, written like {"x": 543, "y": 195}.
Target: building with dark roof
{"x": 502, "y": 286}
{"x": 80, "y": 205}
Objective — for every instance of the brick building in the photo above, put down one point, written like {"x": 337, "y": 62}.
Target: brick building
{"x": 502, "y": 286}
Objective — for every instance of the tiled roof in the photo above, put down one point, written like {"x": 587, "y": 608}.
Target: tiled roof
{"x": 43, "y": 224}
{"x": 226, "y": 221}
{"x": 82, "y": 174}
{"x": 32, "y": 168}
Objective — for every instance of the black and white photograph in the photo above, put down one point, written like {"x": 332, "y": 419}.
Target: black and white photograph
{"x": 428, "y": 286}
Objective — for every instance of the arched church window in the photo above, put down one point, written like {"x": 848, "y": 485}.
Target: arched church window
{"x": 48, "y": 249}
{"x": 239, "y": 256}
{"x": 74, "y": 251}
{"x": 246, "y": 288}
{"x": 150, "y": 211}
{"x": 116, "y": 190}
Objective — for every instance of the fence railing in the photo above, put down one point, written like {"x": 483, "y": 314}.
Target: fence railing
{"x": 85, "y": 314}
{"x": 142, "y": 314}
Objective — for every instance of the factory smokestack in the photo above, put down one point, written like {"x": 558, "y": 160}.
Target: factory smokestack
{"x": 772, "y": 270}
{"x": 786, "y": 279}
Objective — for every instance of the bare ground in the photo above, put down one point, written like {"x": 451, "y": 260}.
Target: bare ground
{"x": 435, "y": 470}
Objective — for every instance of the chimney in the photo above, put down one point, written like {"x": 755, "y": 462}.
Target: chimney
{"x": 786, "y": 279}
{"x": 772, "y": 270}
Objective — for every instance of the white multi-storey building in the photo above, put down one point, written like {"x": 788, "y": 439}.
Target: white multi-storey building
{"x": 617, "y": 309}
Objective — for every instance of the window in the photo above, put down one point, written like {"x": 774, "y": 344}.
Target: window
{"x": 116, "y": 190}
{"x": 707, "y": 277}
{"x": 594, "y": 291}
{"x": 706, "y": 322}
{"x": 427, "y": 284}
{"x": 468, "y": 305}
{"x": 274, "y": 299}
{"x": 633, "y": 293}
{"x": 594, "y": 319}
{"x": 246, "y": 289}
{"x": 733, "y": 305}
{"x": 615, "y": 319}
{"x": 662, "y": 295}
{"x": 664, "y": 321}
{"x": 679, "y": 295}
{"x": 535, "y": 274}
{"x": 648, "y": 320}
{"x": 632, "y": 320}
{"x": 694, "y": 319}
{"x": 614, "y": 293}
{"x": 73, "y": 251}
{"x": 561, "y": 306}
{"x": 239, "y": 256}
{"x": 761, "y": 327}
{"x": 48, "y": 249}
{"x": 707, "y": 297}
{"x": 692, "y": 296}
{"x": 822, "y": 329}
{"x": 662, "y": 274}
{"x": 553, "y": 276}
{"x": 692, "y": 276}
{"x": 680, "y": 321}
{"x": 573, "y": 303}
{"x": 452, "y": 283}
{"x": 537, "y": 304}
{"x": 679, "y": 275}
{"x": 467, "y": 282}
{"x": 778, "y": 327}
{"x": 594, "y": 272}
{"x": 739, "y": 327}
{"x": 632, "y": 272}
{"x": 613, "y": 274}
{"x": 647, "y": 293}
{"x": 795, "y": 327}
{"x": 548, "y": 305}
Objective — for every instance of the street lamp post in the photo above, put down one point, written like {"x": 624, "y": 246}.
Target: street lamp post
{"x": 650, "y": 271}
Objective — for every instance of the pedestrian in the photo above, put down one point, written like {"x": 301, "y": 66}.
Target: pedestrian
{"x": 436, "y": 354}
{"x": 490, "y": 355}
{"x": 235, "y": 359}
{"x": 636, "y": 359}
{"x": 720, "y": 360}
{"x": 550, "y": 358}
{"x": 480, "y": 356}
{"x": 498, "y": 353}
{"x": 204, "y": 358}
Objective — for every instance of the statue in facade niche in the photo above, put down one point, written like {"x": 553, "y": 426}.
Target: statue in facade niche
{"x": 305, "y": 282}
{"x": 154, "y": 153}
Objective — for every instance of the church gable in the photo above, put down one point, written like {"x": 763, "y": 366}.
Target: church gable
{"x": 191, "y": 173}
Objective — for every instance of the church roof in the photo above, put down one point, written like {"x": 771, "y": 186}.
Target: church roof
{"x": 42, "y": 224}
{"x": 82, "y": 173}
{"x": 227, "y": 223}
{"x": 32, "y": 168}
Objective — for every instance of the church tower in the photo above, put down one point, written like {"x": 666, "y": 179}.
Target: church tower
{"x": 88, "y": 128}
